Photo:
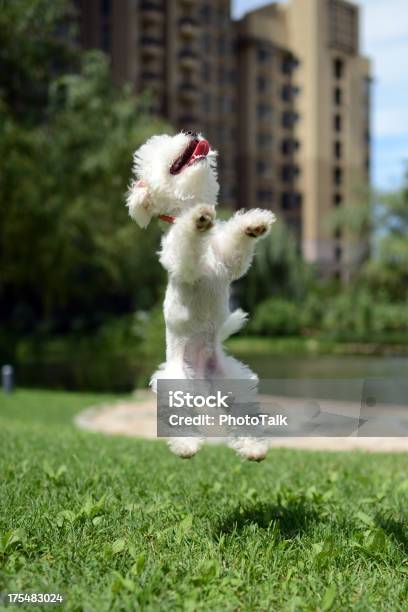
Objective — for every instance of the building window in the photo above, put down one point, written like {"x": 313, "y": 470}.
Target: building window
{"x": 338, "y": 68}
{"x": 264, "y": 55}
{"x": 265, "y": 196}
{"x": 367, "y": 165}
{"x": 337, "y": 199}
{"x": 224, "y": 104}
{"x": 222, "y": 46}
{"x": 337, "y": 176}
{"x": 343, "y": 26}
{"x": 338, "y": 253}
{"x": 289, "y": 63}
{"x": 289, "y": 118}
{"x": 290, "y": 200}
{"x": 106, "y": 8}
{"x": 289, "y": 172}
{"x": 285, "y": 200}
{"x": 207, "y": 42}
{"x": 264, "y": 139}
{"x": 106, "y": 37}
{"x": 367, "y": 137}
{"x": 151, "y": 5}
{"x": 261, "y": 168}
{"x": 223, "y": 16}
{"x": 337, "y": 96}
{"x": 206, "y": 13}
{"x": 222, "y": 75}
{"x": 207, "y": 102}
{"x": 264, "y": 112}
{"x": 206, "y": 71}
{"x": 337, "y": 149}
{"x": 286, "y": 93}
{"x": 262, "y": 84}
{"x": 289, "y": 146}
{"x": 289, "y": 92}
{"x": 337, "y": 123}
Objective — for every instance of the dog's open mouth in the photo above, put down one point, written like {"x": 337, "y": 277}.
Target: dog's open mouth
{"x": 196, "y": 151}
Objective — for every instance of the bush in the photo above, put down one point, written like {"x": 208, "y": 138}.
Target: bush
{"x": 276, "y": 317}
{"x": 121, "y": 354}
{"x": 311, "y": 312}
{"x": 359, "y": 317}
{"x": 149, "y": 328}
{"x": 350, "y": 316}
{"x": 107, "y": 360}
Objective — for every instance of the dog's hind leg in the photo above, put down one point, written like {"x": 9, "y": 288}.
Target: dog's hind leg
{"x": 185, "y": 447}
{"x": 253, "y": 449}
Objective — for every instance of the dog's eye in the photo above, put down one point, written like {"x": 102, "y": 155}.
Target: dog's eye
{"x": 191, "y": 133}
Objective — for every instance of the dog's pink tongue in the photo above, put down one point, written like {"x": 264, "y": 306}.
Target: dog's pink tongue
{"x": 202, "y": 148}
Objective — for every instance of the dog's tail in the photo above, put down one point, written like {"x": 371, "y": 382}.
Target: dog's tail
{"x": 233, "y": 324}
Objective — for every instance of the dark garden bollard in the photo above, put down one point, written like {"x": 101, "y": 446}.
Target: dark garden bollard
{"x": 7, "y": 375}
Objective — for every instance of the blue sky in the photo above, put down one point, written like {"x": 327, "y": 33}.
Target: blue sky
{"x": 384, "y": 38}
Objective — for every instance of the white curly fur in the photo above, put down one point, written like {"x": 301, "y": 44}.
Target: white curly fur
{"x": 202, "y": 258}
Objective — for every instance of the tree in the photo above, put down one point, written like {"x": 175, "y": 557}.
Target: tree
{"x": 68, "y": 250}
{"x": 388, "y": 269}
{"x": 278, "y": 270}
{"x": 384, "y": 217}
{"x": 37, "y": 42}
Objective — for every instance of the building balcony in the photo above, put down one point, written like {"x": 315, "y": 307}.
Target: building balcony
{"x": 152, "y": 80}
{"x": 188, "y": 27}
{"x": 151, "y": 46}
{"x": 188, "y": 60}
{"x": 151, "y": 12}
{"x": 187, "y": 121}
{"x": 189, "y": 92}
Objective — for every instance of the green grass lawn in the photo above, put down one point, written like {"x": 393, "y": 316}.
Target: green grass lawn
{"x": 121, "y": 524}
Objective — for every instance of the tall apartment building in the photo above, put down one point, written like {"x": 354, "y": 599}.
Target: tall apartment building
{"x": 181, "y": 51}
{"x": 283, "y": 94}
{"x": 304, "y": 133}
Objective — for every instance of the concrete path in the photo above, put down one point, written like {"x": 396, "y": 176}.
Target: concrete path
{"x": 137, "y": 418}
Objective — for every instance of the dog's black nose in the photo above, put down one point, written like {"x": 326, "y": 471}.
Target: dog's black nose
{"x": 191, "y": 133}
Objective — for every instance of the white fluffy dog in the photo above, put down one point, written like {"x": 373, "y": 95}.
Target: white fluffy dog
{"x": 176, "y": 180}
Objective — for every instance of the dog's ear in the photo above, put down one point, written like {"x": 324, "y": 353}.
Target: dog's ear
{"x": 139, "y": 203}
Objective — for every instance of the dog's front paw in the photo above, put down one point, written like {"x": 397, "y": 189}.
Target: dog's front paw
{"x": 259, "y": 223}
{"x": 204, "y": 217}
{"x": 254, "y": 231}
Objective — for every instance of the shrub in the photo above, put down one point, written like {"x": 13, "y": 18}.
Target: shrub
{"x": 276, "y": 317}
{"x": 359, "y": 317}
{"x": 149, "y": 329}
{"x": 311, "y": 312}
{"x": 107, "y": 360}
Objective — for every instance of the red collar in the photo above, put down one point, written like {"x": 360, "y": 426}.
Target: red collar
{"x": 167, "y": 218}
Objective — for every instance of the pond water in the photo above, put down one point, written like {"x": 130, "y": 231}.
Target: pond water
{"x": 348, "y": 378}
{"x": 328, "y": 366}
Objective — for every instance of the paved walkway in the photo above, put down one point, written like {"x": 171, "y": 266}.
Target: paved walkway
{"x": 137, "y": 418}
